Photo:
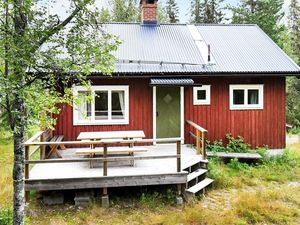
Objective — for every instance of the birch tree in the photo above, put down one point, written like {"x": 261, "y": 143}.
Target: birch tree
{"x": 41, "y": 53}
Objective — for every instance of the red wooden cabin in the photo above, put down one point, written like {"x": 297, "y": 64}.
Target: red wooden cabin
{"x": 226, "y": 78}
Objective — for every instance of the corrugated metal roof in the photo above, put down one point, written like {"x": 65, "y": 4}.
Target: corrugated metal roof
{"x": 170, "y": 48}
{"x": 172, "y": 82}
{"x": 164, "y": 43}
{"x": 244, "y": 48}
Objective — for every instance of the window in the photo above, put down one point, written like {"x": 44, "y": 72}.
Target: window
{"x": 101, "y": 105}
{"x": 202, "y": 95}
{"x": 246, "y": 96}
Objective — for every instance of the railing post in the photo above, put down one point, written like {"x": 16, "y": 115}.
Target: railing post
{"x": 203, "y": 146}
{"x": 105, "y": 162}
{"x": 198, "y": 141}
{"x": 178, "y": 148}
{"x": 42, "y": 147}
{"x": 27, "y": 193}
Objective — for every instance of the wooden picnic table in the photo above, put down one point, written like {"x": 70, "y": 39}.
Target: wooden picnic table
{"x": 100, "y": 135}
{"x": 111, "y": 135}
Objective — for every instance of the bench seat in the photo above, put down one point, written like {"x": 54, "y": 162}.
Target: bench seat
{"x": 111, "y": 150}
{"x": 54, "y": 148}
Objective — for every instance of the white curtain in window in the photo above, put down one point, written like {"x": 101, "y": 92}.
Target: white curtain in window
{"x": 253, "y": 97}
{"x": 121, "y": 100}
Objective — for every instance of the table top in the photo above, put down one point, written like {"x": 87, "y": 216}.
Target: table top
{"x": 111, "y": 135}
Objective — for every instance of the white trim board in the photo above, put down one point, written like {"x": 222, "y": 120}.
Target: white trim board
{"x": 109, "y": 121}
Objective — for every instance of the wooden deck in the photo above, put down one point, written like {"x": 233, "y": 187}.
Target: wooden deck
{"x": 79, "y": 175}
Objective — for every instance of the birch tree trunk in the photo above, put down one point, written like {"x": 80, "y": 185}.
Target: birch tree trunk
{"x": 18, "y": 170}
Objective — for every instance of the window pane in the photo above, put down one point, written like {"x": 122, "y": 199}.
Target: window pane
{"x": 238, "y": 97}
{"x": 201, "y": 94}
{"x": 101, "y": 105}
{"x": 118, "y": 104}
{"x": 84, "y": 109}
{"x": 252, "y": 96}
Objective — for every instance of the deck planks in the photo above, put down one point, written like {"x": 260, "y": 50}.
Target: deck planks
{"x": 61, "y": 176}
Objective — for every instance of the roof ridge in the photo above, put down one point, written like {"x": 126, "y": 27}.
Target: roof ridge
{"x": 185, "y": 24}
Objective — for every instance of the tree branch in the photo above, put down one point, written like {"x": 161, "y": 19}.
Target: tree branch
{"x": 61, "y": 25}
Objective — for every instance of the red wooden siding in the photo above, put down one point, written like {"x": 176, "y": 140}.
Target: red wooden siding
{"x": 140, "y": 111}
{"x": 258, "y": 127}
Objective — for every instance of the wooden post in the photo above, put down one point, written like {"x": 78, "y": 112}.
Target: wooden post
{"x": 178, "y": 147}
{"x": 105, "y": 162}
{"x": 42, "y": 147}
{"x": 198, "y": 141}
{"x": 203, "y": 146}
{"x": 179, "y": 188}
{"x": 27, "y": 193}
{"x": 105, "y": 191}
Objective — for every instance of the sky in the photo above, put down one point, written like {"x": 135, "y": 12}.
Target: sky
{"x": 61, "y": 6}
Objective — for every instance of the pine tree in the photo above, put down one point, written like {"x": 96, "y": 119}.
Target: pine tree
{"x": 294, "y": 27}
{"x": 265, "y": 13}
{"x": 162, "y": 13}
{"x": 206, "y": 11}
{"x": 124, "y": 11}
{"x": 293, "y": 84}
{"x": 172, "y": 11}
{"x": 196, "y": 11}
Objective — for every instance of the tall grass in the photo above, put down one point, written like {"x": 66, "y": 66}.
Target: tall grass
{"x": 267, "y": 193}
{"x": 6, "y": 182}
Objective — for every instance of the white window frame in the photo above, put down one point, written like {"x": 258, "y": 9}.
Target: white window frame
{"x": 246, "y": 87}
{"x": 109, "y": 121}
{"x": 206, "y": 101}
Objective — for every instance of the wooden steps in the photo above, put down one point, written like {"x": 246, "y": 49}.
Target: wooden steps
{"x": 200, "y": 186}
{"x": 196, "y": 179}
{"x": 195, "y": 174}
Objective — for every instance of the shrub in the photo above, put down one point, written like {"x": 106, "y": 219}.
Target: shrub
{"x": 6, "y": 216}
{"x": 217, "y": 146}
{"x": 236, "y": 144}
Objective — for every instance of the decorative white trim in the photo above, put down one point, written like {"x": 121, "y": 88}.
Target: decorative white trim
{"x": 109, "y": 121}
{"x": 197, "y": 101}
{"x": 154, "y": 113}
{"x": 182, "y": 114}
{"x": 246, "y": 87}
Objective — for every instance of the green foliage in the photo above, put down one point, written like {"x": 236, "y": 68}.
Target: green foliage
{"x": 162, "y": 15}
{"x": 216, "y": 146}
{"x": 158, "y": 198}
{"x": 294, "y": 130}
{"x": 6, "y": 216}
{"x": 236, "y": 144}
{"x": 53, "y": 52}
{"x": 292, "y": 101}
{"x": 235, "y": 165}
{"x": 172, "y": 11}
{"x": 206, "y": 11}
{"x": 292, "y": 48}
{"x": 124, "y": 11}
{"x": 233, "y": 145}
{"x": 265, "y": 13}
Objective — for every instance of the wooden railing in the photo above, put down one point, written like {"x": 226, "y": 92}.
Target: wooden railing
{"x": 40, "y": 145}
{"x": 200, "y": 138}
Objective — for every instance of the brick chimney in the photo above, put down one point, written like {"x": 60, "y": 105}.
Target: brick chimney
{"x": 149, "y": 11}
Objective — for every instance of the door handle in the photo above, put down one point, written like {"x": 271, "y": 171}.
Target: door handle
{"x": 156, "y": 114}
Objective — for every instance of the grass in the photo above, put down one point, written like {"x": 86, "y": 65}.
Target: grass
{"x": 267, "y": 193}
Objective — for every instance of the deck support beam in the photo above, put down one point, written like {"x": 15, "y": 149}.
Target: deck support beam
{"x": 105, "y": 198}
